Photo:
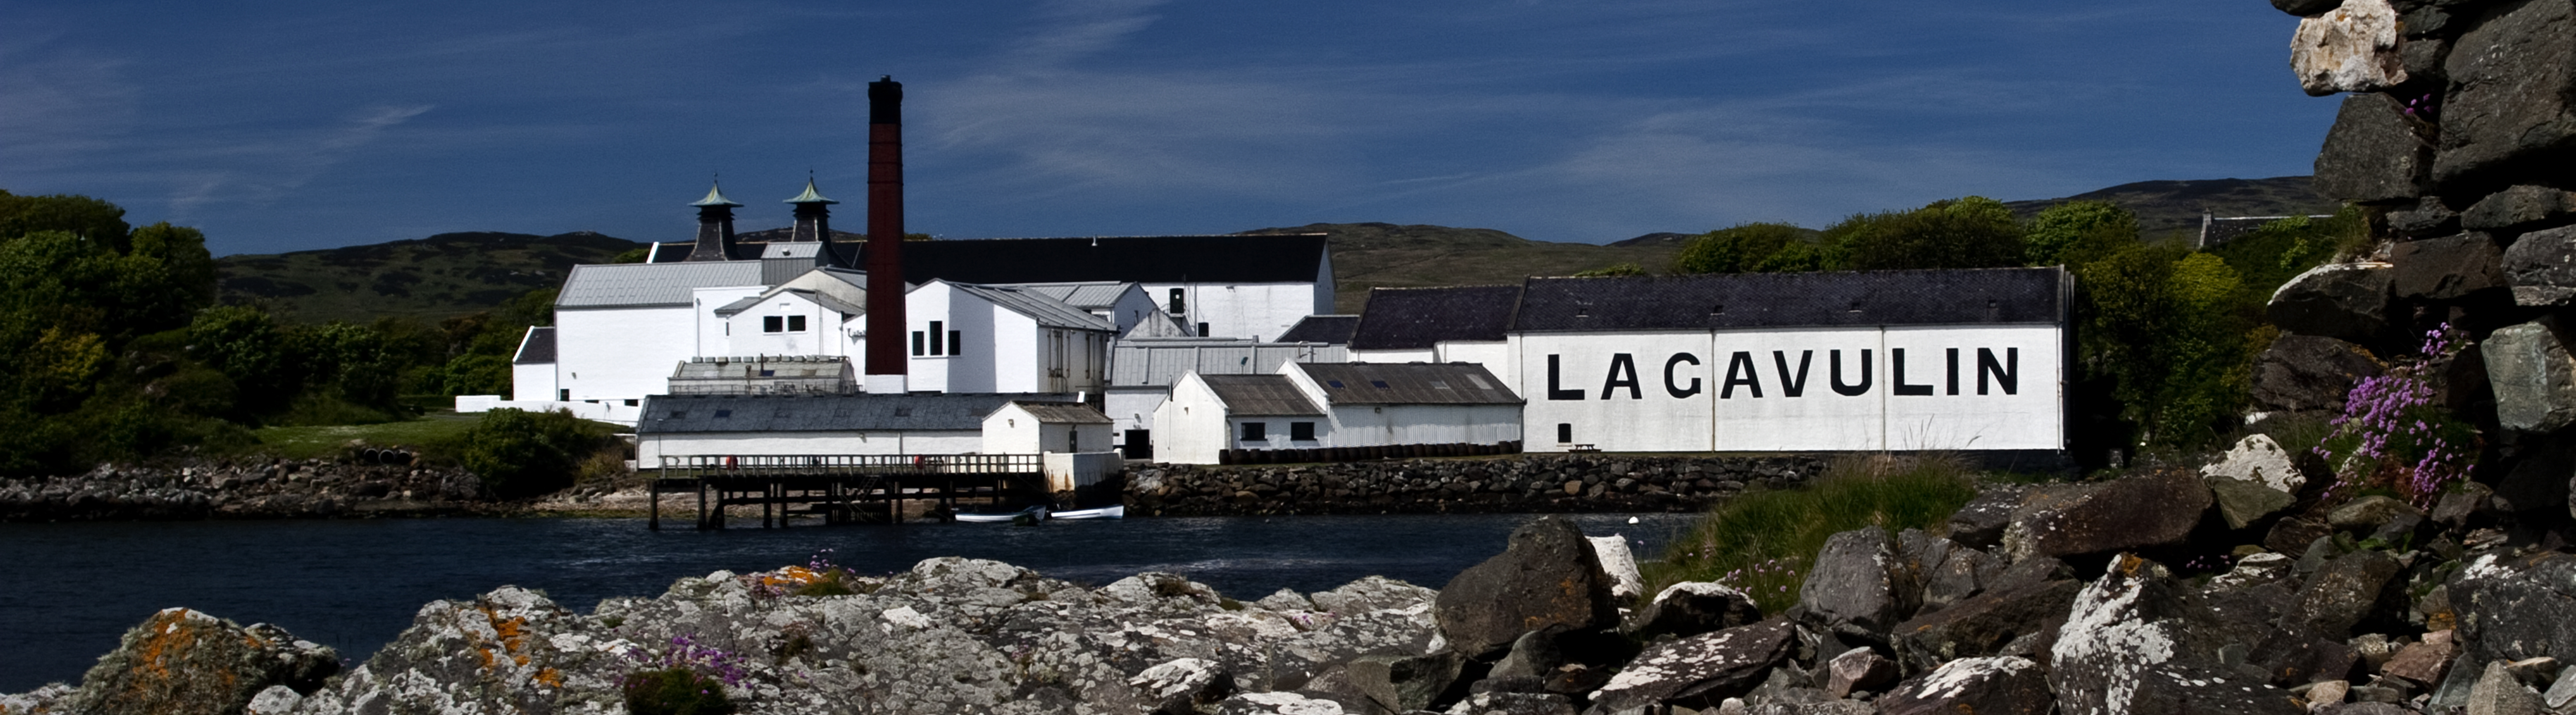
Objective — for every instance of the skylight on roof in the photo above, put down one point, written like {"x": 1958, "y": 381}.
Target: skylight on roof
{"x": 724, "y": 413}
{"x": 1335, "y": 383}
{"x": 1381, "y": 384}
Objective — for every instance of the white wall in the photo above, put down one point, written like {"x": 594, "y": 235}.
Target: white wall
{"x": 650, "y": 448}
{"x": 714, "y": 333}
{"x": 1395, "y": 356}
{"x": 1133, "y": 407}
{"x": 1372, "y": 425}
{"x": 1709, "y": 401}
{"x": 1133, "y": 306}
{"x": 1253, "y": 310}
{"x": 1191, "y": 427}
{"x": 621, "y": 353}
{"x": 534, "y": 381}
{"x": 1495, "y": 355}
{"x": 746, "y": 332}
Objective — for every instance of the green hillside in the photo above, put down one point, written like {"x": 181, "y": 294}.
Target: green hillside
{"x": 2164, "y": 206}
{"x": 443, "y": 275}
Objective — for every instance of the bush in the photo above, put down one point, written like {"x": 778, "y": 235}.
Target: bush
{"x": 1764, "y": 541}
{"x": 522, "y": 454}
{"x": 1742, "y": 248}
{"x": 675, "y": 691}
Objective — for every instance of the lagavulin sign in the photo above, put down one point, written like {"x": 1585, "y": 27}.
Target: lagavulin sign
{"x": 1859, "y": 361}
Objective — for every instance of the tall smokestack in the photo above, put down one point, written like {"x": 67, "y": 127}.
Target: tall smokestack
{"x": 888, "y": 366}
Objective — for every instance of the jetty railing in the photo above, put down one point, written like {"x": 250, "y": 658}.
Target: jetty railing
{"x": 840, "y": 487}
{"x": 731, "y": 466}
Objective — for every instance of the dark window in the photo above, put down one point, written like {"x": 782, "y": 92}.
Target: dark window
{"x": 1179, "y": 306}
{"x": 1256, "y": 432}
{"x": 1564, "y": 433}
{"x": 1335, "y": 383}
{"x": 773, "y": 324}
{"x": 1203, "y": 331}
{"x": 631, "y": 403}
{"x": 1301, "y": 431}
{"x": 795, "y": 323}
{"x": 916, "y": 344}
{"x": 724, "y": 413}
{"x": 769, "y": 373}
{"x": 563, "y": 395}
{"x": 1073, "y": 440}
{"x": 956, "y": 342}
{"x": 1381, "y": 384}
{"x": 937, "y": 339}
{"x": 676, "y": 414}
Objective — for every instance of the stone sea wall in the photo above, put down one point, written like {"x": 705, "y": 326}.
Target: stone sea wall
{"x": 261, "y": 489}
{"x": 1533, "y": 483}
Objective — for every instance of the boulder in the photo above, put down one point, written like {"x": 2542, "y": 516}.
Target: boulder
{"x": 182, "y": 661}
{"x": 2352, "y": 48}
{"x": 2293, "y": 534}
{"x": 2518, "y": 208}
{"x": 2367, "y": 513}
{"x": 2515, "y": 608}
{"x": 2457, "y": 505}
{"x": 1534, "y": 655}
{"x": 1183, "y": 686}
{"x": 2024, "y": 606}
{"x": 1856, "y": 670}
{"x": 1858, "y": 580}
{"x": 1400, "y": 683}
{"x": 1963, "y": 573}
{"x": 1986, "y": 686}
{"x": 2499, "y": 693}
{"x": 2446, "y": 268}
{"x": 2372, "y": 153}
{"x": 1980, "y": 523}
{"x": 2509, "y": 99}
{"x": 2538, "y": 481}
{"x": 2336, "y": 300}
{"x": 2242, "y": 502}
{"x": 2303, "y": 373}
{"x": 1514, "y": 704}
{"x": 2423, "y": 662}
{"x": 1616, "y": 560}
{"x": 2130, "y": 645}
{"x": 2541, "y": 267}
{"x": 2430, "y": 217}
{"x": 1691, "y": 608}
{"x": 1277, "y": 704}
{"x": 2153, "y": 509}
{"x": 2260, "y": 460}
{"x": 1705, "y": 668}
{"x": 2343, "y": 592}
{"x": 2253, "y": 569}
{"x": 1547, "y": 575}
{"x": 2533, "y": 377}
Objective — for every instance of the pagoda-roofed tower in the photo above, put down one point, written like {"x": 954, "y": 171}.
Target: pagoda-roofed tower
{"x": 715, "y": 226}
{"x": 814, "y": 224}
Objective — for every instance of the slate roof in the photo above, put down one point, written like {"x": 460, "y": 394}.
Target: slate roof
{"x": 1414, "y": 318}
{"x": 1456, "y": 383}
{"x": 1759, "y": 300}
{"x": 1159, "y": 362}
{"x": 1334, "y": 329}
{"x": 629, "y": 285}
{"x": 826, "y": 300}
{"x": 1144, "y": 259}
{"x": 1095, "y": 295}
{"x": 1063, "y": 412}
{"x": 1260, "y": 395}
{"x": 1047, "y": 311}
{"x": 537, "y": 347}
{"x": 679, "y": 414}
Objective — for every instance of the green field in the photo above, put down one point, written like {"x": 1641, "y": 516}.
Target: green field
{"x": 430, "y": 430}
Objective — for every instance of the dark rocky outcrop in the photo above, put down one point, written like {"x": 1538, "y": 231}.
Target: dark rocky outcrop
{"x": 2446, "y": 268}
{"x": 1861, "y": 582}
{"x": 2541, "y": 267}
{"x": 2506, "y": 108}
{"x": 2338, "y": 300}
{"x": 2161, "y": 507}
{"x": 1704, "y": 668}
{"x": 2003, "y": 685}
{"x": 1525, "y": 483}
{"x": 2373, "y": 152}
{"x": 1546, "y": 576}
{"x": 2307, "y": 373}
{"x": 182, "y": 662}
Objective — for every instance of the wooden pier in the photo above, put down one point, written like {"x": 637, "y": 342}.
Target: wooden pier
{"x": 842, "y": 488}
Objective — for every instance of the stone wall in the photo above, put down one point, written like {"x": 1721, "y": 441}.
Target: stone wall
{"x": 1517, "y": 483}
{"x": 250, "y": 489}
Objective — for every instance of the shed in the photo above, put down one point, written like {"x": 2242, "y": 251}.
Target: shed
{"x": 918, "y": 423}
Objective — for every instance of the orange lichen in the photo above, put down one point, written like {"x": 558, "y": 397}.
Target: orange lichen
{"x": 791, "y": 576}
{"x": 550, "y": 677}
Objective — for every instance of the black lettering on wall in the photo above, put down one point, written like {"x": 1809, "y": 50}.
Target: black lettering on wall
{"x": 1739, "y": 371}
{"x": 2007, "y": 374}
{"x": 1953, "y": 354}
{"x": 1793, "y": 384}
{"x": 1896, "y": 374}
{"x": 1834, "y": 368}
{"x": 1553, "y": 392}
{"x": 1622, "y": 364}
{"x": 1673, "y": 388}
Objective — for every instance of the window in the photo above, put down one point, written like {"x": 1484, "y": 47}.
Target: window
{"x": 1256, "y": 432}
{"x": 1301, "y": 431}
{"x": 956, "y": 342}
{"x": 916, "y": 344}
{"x": 937, "y": 341}
{"x": 769, "y": 373}
{"x": 1381, "y": 384}
{"x": 724, "y": 413}
{"x": 773, "y": 324}
{"x": 1073, "y": 440}
{"x": 1564, "y": 433}
{"x": 1179, "y": 306}
{"x": 795, "y": 323}
{"x": 1335, "y": 383}
{"x": 563, "y": 395}
{"x": 632, "y": 403}
{"x": 1203, "y": 331}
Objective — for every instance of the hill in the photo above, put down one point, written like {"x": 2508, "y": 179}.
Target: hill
{"x": 442, "y": 275}
{"x": 2164, "y": 206}
{"x": 1372, "y": 255}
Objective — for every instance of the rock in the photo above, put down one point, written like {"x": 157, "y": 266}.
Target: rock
{"x": 1277, "y": 704}
{"x": 2515, "y": 608}
{"x": 2368, "y": 512}
{"x": 2306, "y": 8}
{"x": 1534, "y": 655}
{"x": 1513, "y": 704}
{"x": 2260, "y": 460}
{"x": 2372, "y": 153}
{"x": 1986, "y": 686}
{"x": 1704, "y": 668}
{"x": 2290, "y": 658}
{"x": 1980, "y": 523}
{"x": 2364, "y": 708}
{"x": 2252, "y": 570}
{"x": 1857, "y": 580}
{"x": 2535, "y": 672}
{"x": 2498, "y": 693}
{"x": 1183, "y": 686}
{"x": 1691, "y": 608}
{"x": 1615, "y": 559}
{"x": 2337, "y": 300}
{"x": 1964, "y": 573}
{"x": 2129, "y": 646}
{"x": 2431, "y": 216}
{"x": 2328, "y": 692}
{"x": 2508, "y": 103}
{"x": 1400, "y": 683}
{"x": 2352, "y": 48}
{"x": 2446, "y": 268}
{"x": 2242, "y": 502}
{"x": 2533, "y": 377}
{"x": 1858, "y": 669}
{"x": 2156, "y": 508}
{"x": 2456, "y": 506}
{"x": 2344, "y": 591}
{"x": 1547, "y": 575}
{"x": 2520, "y": 207}
{"x": 182, "y": 661}
{"x": 2294, "y": 534}
{"x": 2027, "y": 603}
{"x": 2541, "y": 267}
{"x": 2538, "y": 481}
{"x": 2561, "y": 692}
{"x": 276, "y": 700}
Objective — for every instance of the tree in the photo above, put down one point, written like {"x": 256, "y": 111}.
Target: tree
{"x": 1741, "y": 248}
{"x": 517, "y": 453}
{"x": 1971, "y": 232}
{"x": 2077, "y": 230}
{"x": 80, "y": 216}
{"x": 182, "y": 252}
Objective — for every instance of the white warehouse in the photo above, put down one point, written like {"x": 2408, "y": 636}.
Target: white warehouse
{"x": 1336, "y": 405}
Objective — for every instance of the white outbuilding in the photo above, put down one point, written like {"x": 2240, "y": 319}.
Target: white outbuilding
{"x": 919, "y": 423}
{"x": 1035, "y": 427}
{"x": 1323, "y": 406}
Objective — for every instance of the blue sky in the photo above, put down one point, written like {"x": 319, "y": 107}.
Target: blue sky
{"x": 287, "y": 126}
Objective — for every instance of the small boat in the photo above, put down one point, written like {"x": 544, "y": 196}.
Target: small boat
{"x": 1106, "y": 512}
{"x": 1031, "y": 513}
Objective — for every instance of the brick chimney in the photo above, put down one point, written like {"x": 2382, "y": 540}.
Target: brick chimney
{"x": 888, "y": 366}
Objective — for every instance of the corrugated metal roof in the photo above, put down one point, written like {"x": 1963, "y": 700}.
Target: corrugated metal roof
{"x": 1159, "y": 362}
{"x": 624, "y": 285}
{"x": 1455, "y": 383}
{"x": 1087, "y": 296}
{"x": 1414, "y": 318}
{"x": 1047, "y": 311}
{"x": 1063, "y": 412}
{"x": 1334, "y": 329}
{"x": 1756, "y": 300}
{"x": 1158, "y": 325}
{"x": 1155, "y": 259}
{"x": 1249, "y": 395}
{"x": 674, "y": 414}
{"x": 823, "y": 299}
{"x": 537, "y": 347}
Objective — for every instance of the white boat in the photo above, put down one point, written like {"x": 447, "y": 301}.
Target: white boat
{"x": 1037, "y": 512}
{"x": 1106, "y": 512}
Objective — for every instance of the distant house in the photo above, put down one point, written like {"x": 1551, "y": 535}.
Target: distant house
{"x": 1327, "y": 329}
{"x": 619, "y": 328}
{"x": 989, "y": 338}
{"x": 1218, "y": 286}
{"x": 1439, "y": 325}
{"x": 685, "y": 425}
{"x": 1143, "y": 370}
{"x": 1033, "y": 427}
{"x": 1329, "y": 405}
{"x": 532, "y": 368}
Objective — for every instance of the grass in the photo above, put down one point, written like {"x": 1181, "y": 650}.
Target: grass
{"x": 436, "y": 429}
{"x": 1764, "y": 541}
